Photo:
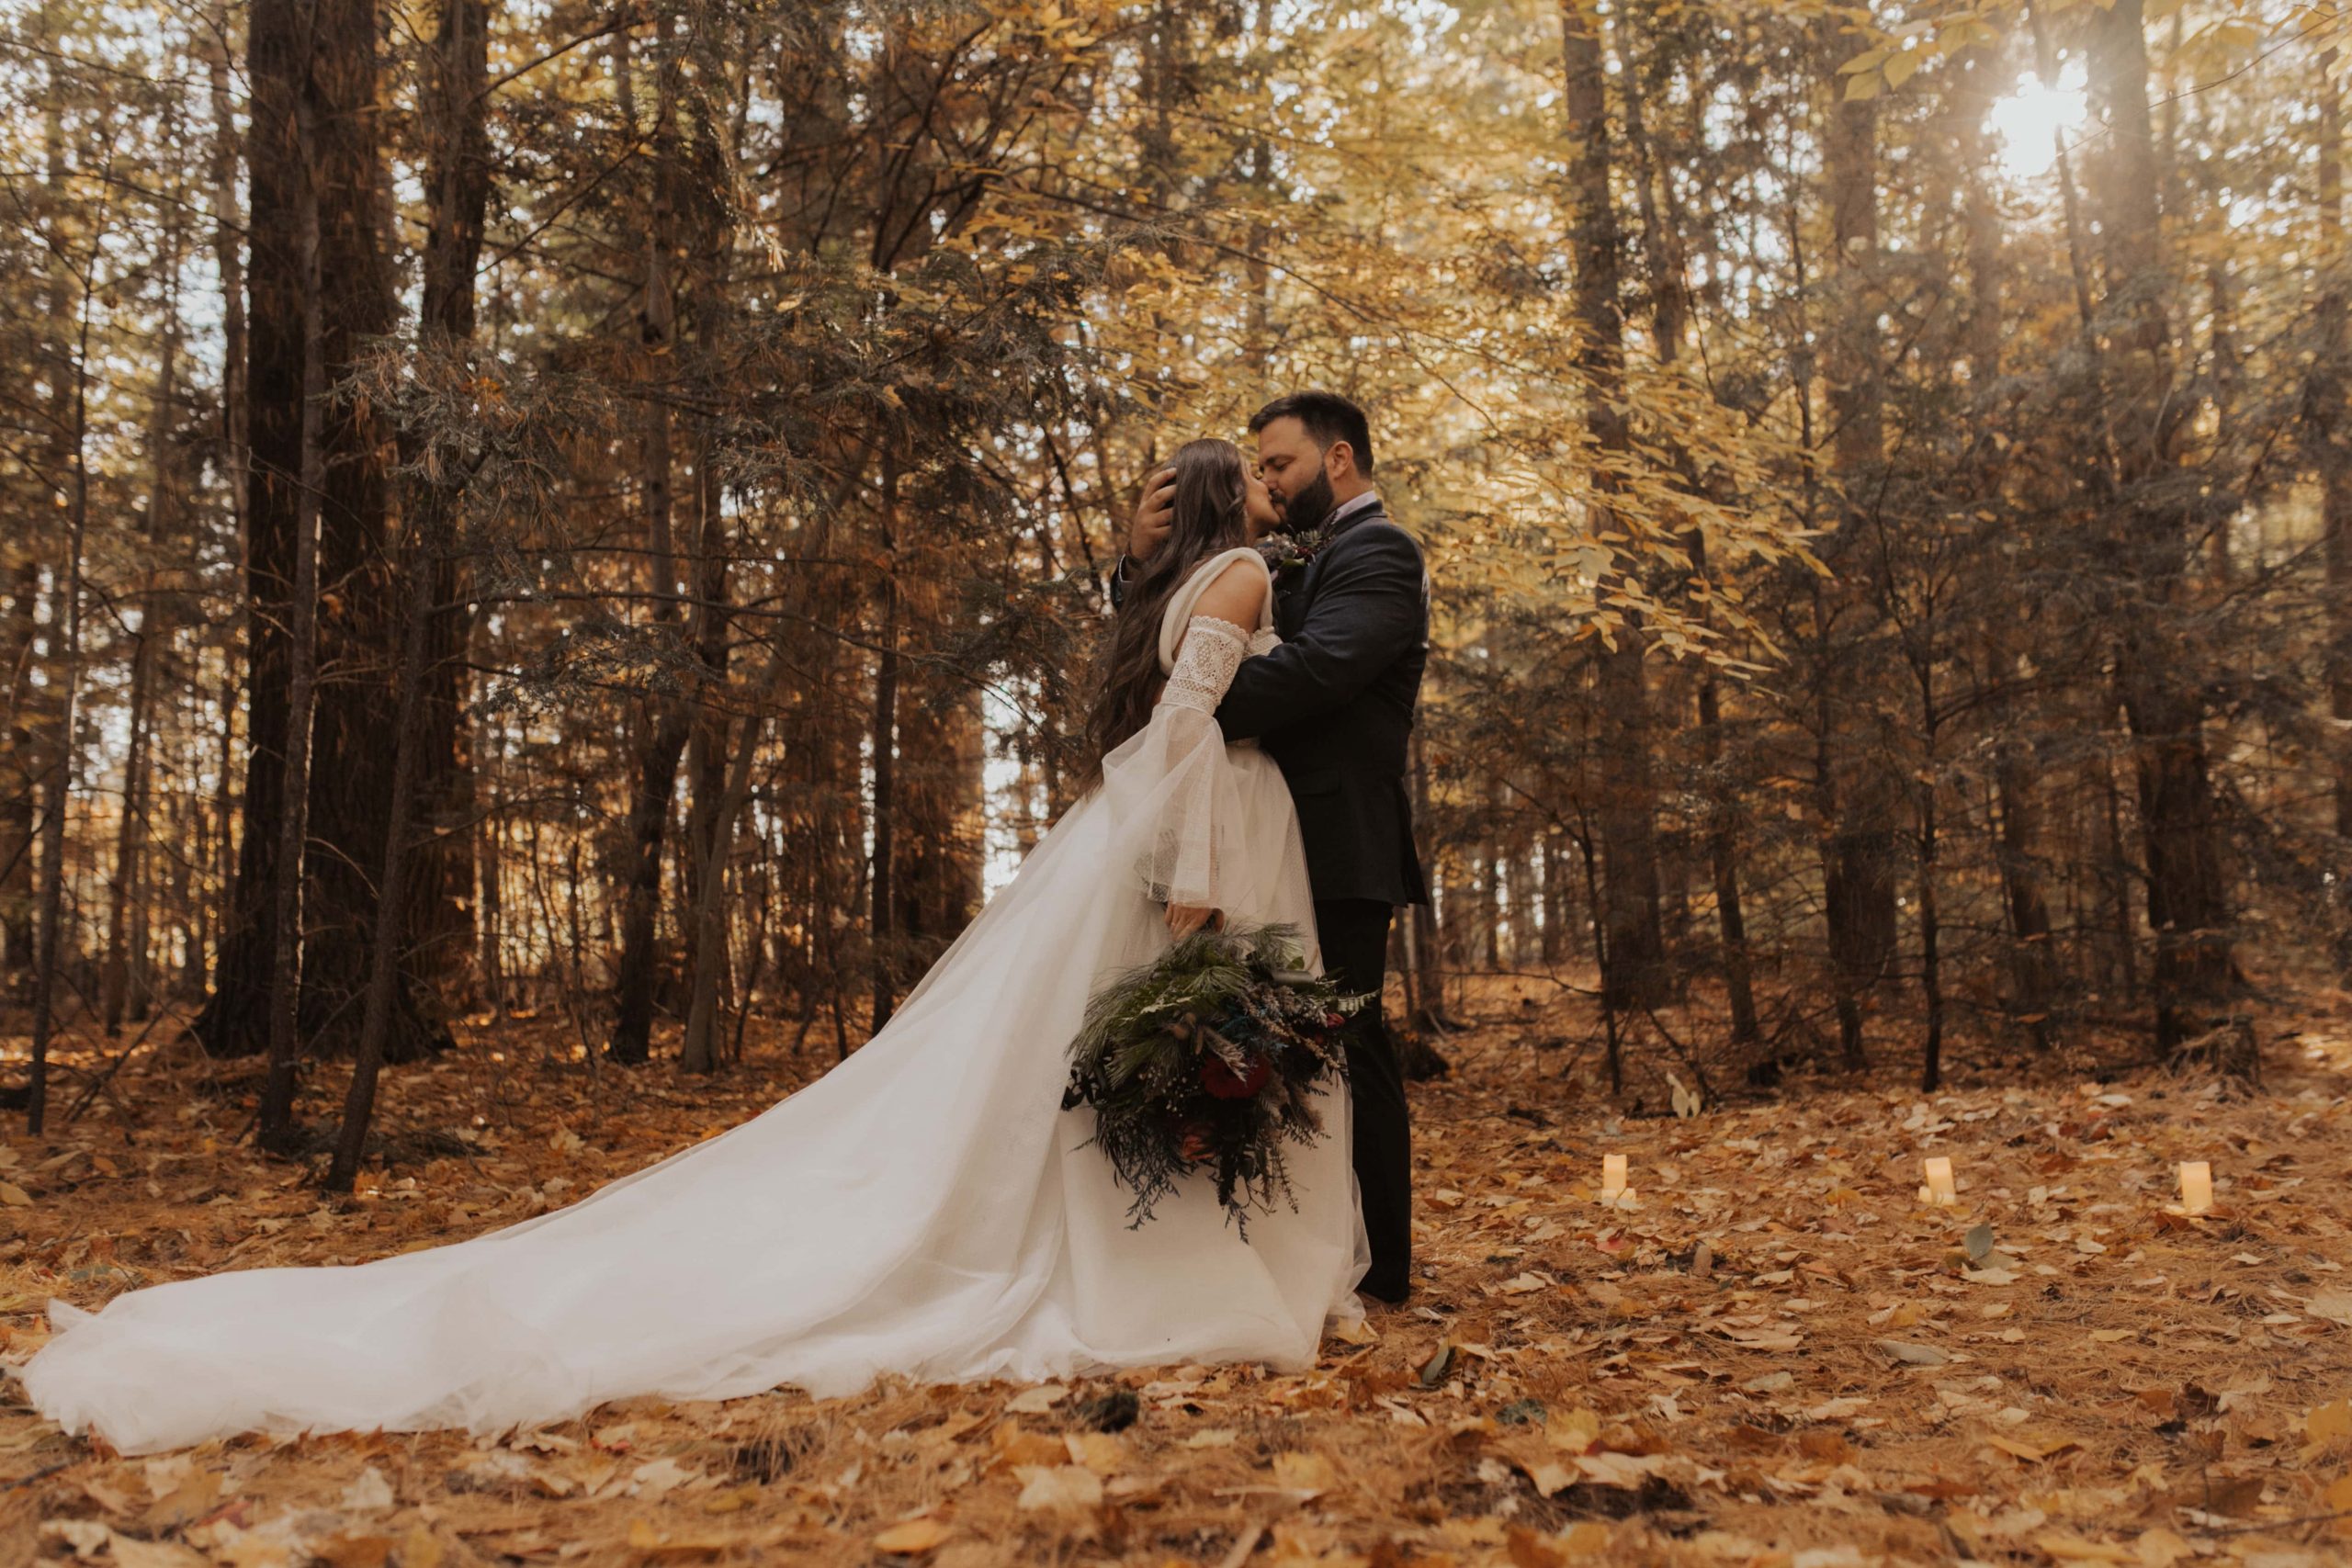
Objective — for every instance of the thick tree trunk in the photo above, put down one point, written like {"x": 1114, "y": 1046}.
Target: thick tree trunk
{"x": 1858, "y": 850}
{"x": 352, "y": 749}
{"x": 235, "y": 1019}
{"x": 700, "y": 1052}
{"x": 275, "y": 1125}
{"x": 327, "y": 54}
{"x": 1636, "y": 974}
{"x": 2188, "y": 884}
{"x": 441, "y": 914}
{"x": 637, "y": 978}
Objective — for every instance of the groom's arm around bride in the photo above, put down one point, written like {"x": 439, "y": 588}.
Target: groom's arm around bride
{"x": 1333, "y": 706}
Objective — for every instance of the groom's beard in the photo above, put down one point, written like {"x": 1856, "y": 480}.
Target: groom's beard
{"x": 1305, "y": 512}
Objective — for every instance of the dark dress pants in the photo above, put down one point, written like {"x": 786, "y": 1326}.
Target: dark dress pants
{"x": 1355, "y": 935}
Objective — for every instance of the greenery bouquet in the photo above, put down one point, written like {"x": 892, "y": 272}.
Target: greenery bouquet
{"x": 1208, "y": 1058}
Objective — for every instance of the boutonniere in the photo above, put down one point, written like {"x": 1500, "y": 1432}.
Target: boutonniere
{"x": 1287, "y": 555}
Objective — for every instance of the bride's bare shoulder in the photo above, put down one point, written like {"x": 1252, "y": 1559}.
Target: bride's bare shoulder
{"x": 1236, "y": 589}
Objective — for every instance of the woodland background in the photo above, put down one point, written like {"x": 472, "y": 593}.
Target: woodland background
{"x": 598, "y": 514}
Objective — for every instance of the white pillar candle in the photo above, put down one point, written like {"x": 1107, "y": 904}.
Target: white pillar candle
{"x": 2196, "y": 1185}
{"x": 1940, "y": 1190}
{"x": 1613, "y": 1178}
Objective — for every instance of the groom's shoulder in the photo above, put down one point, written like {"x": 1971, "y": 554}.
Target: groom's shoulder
{"x": 1378, "y": 534}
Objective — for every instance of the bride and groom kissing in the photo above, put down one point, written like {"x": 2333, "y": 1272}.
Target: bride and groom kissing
{"x": 929, "y": 1209}
{"x": 1333, "y": 706}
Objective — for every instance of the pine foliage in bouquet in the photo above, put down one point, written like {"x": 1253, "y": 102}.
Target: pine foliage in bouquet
{"x": 1207, "y": 1059}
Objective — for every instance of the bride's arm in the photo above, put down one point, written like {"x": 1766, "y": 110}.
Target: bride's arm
{"x": 1214, "y": 644}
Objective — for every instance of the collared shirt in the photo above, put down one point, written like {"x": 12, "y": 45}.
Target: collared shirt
{"x": 1348, "y": 509}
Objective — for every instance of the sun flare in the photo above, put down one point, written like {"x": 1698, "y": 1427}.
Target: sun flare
{"x": 2030, "y": 121}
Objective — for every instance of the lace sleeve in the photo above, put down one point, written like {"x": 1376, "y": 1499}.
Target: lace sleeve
{"x": 1213, "y": 650}
{"x": 1175, "y": 800}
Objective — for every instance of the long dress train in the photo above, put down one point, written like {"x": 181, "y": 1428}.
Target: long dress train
{"x": 924, "y": 1209}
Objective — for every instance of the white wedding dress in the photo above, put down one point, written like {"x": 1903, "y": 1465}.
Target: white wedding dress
{"x": 927, "y": 1208}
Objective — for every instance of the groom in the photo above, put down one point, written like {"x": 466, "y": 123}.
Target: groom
{"x": 1333, "y": 704}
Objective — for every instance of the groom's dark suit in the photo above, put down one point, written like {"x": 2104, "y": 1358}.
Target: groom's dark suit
{"x": 1333, "y": 706}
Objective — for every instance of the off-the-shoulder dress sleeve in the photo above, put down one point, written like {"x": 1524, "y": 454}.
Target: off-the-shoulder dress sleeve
{"x": 1182, "y": 810}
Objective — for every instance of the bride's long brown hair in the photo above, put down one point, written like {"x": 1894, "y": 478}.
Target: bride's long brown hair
{"x": 1211, "y": 515}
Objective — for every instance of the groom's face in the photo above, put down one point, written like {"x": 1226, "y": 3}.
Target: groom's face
{"x": 1296, "y": 477}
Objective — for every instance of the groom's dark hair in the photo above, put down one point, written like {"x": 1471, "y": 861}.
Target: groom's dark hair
{"x": 1329, "y": 420}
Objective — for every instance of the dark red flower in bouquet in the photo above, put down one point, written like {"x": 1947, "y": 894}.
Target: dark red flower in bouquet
{"x": 1335, "y": 1021}
{"x": 1218, "y": 1078}
{"x": 1196, "y": 1140}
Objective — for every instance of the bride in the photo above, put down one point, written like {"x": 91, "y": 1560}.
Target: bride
{"x": 925, "y": 1209}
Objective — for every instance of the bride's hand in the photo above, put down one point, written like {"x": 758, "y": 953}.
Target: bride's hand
{"x": 1184, "y": 920}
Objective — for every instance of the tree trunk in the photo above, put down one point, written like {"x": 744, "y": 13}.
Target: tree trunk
{"x": 121, "y": 982}
{"x": 325, "y": 55}
{"x": 229, "y": 262}
{"x": 707, "y": 757}
{"x": 276, "y": 1127}
{"x": 380, "y": 1016}
{"x": 17, "y": 816}
{"x": 1429, "y": 955}
{"x": 234, "y": 1020}
{"x": 2188, "y": 891}
{"x": 490, "y": 922}
{"x": 1932, "y": 983}
{"x": 1669, "y": 315}
{"x": 352, "y": 749}
{"x": 881, "y": 905}
{"x": 21, "y": 827}
{"x": 2330, "y": 383}
{"x": 639, "y": 975}
{"x": 1723, "y": 861}
{"x": 938, "y": 881}
{"x": 1636, "y": 974}
{"x": 115, "y": 975}
{"x": 49, "y": 923}
{"x": 700, "y": 1053}
{"x": 1859, "y": 850}
{"x": 441, "y": 912}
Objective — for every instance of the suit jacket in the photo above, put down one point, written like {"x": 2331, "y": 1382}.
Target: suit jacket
{"x": 1333, "y": 706}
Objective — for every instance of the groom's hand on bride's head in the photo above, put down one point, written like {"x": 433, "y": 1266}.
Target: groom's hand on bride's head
{"x": 1153, "y": 515}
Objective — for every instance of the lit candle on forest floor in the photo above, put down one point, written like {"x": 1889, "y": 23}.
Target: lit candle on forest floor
{"x": 2196, "y": 1185}
{"x": 1939, "y": 1190}
{"x": 1613, "y": 1178}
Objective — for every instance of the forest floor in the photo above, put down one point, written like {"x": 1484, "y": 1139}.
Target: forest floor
{"x": 1779, "y": 1356}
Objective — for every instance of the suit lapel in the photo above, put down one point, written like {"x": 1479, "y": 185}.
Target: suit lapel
{"x": 1292, "y": 598}
{"x": 1311, "y": 577}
